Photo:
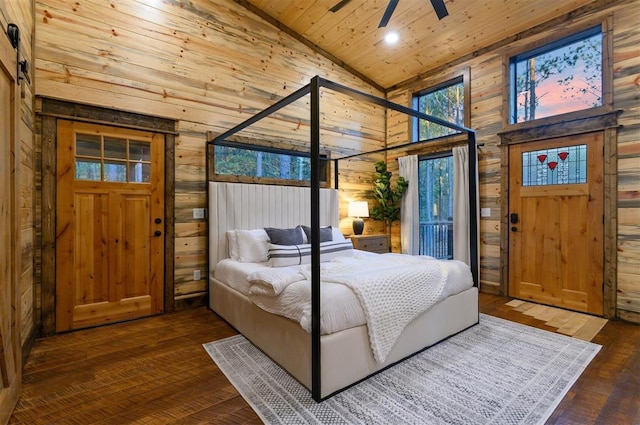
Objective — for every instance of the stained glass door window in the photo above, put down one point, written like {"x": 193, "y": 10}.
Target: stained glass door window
{"x": 564, "y": 165}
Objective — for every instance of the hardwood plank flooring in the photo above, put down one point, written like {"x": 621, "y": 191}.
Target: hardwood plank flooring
{"x": 155, "y": 371}
{"x": 608, "y": 392}
{"x": 578, "y": 325}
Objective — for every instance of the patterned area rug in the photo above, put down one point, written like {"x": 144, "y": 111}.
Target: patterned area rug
{"x": 497, "y": 372}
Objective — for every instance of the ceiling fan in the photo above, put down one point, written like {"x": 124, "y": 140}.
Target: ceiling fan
{"x": 438, "y": 6}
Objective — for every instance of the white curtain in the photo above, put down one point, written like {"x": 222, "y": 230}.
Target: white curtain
{"x": 461, "y": 247}
{"x": 409, "y": 213}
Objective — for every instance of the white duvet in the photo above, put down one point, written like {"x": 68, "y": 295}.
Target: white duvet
{"x": 385, "y": 292}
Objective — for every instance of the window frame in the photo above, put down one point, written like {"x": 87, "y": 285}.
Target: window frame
{"x": 548, "y": 48}
{"x": 102, "y": 157}
{"x": 561, "y": 38}
{"x": 464, "y": 76}
{"x": 325, "y": 165}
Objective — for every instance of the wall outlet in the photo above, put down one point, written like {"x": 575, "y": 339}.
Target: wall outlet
{"x": 199, "y": 213}
{"x": 485, "y": 212}
{"x": 196, "y": 275}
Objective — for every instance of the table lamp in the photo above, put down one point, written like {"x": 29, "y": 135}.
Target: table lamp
{"x": 358, "y": 209}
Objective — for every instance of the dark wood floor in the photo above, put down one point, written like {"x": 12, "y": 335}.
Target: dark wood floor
{"x": 155, "y": 371}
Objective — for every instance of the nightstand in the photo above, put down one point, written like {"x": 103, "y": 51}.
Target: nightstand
{"x": 371, "y": 243}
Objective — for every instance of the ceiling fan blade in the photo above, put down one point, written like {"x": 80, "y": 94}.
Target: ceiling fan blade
{"x": 440, "y": 8}
{"x": 387, "y": 13}
{"x": 339, "y": 5}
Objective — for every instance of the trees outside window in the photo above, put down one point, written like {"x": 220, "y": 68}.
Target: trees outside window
{"x": 435, "y": 172}
{"x": 254, "y": 163}
{"x": 435, "y": 195}
{"x": 445, "y": 101}
{"x": 265, "y": 163}
{"x": 561, "y": 77}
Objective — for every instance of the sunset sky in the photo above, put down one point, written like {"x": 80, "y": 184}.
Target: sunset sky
{"x": 555, "y": 98}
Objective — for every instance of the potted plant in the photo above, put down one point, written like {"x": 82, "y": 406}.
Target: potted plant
{"x": 387, "y": 196}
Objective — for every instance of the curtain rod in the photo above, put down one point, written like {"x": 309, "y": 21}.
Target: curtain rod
{"x": 443, "y": 152}
{"x": 392, "y": 148}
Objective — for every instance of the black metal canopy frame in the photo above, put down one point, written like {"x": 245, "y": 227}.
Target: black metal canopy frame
{"x": 313, "y": 89}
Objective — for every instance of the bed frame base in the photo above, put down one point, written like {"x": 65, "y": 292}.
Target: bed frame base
{"x": 346, "y": 356}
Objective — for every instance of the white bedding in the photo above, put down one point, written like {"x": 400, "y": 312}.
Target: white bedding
{"x": 286, "y": 291}
{"x": 234, "y": 273}
{"x": 340, "y": 308}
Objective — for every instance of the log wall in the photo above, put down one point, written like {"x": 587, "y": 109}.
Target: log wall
{"x": 209, "y": 66}
{"x": 20, "y": 12}
{"x": 626, "y": 91}
{"x": 486, "y": 70}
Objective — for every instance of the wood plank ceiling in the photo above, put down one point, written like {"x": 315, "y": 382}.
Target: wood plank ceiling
{"x": 352, "y": 36}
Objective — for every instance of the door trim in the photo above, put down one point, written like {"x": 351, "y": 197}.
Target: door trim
{"x": 10, "y": 393}
{"x": 48, "y": 112}
{"x": 608, "y": 124}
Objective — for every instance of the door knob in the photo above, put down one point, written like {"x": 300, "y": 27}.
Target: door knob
{"x": 157, "y": 233}
{"x": 514, "y": 229}
{"x": 158, "y": 220}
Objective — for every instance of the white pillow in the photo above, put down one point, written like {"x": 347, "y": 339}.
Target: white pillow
{"x": 232, "y": 243}
{"x": 337, "y": 234}
{"x": 252, "y": 246}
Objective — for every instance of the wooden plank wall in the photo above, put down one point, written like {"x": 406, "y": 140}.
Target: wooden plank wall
{"x": 20, "y": 12}
{"x": 486, "y": 118}
{"x": 209, "y": 66}
{"x": 626, "y": 92}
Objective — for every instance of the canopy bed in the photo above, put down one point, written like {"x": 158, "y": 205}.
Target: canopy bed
{"x": 271, "y": 245}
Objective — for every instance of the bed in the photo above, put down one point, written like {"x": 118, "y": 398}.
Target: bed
{"x": 324, "y": 359}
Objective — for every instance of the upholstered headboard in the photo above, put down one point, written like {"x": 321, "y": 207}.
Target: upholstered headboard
{"x": 254, "y": 206}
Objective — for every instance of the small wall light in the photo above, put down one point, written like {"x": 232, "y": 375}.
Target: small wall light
{"x": 391, "y": 37}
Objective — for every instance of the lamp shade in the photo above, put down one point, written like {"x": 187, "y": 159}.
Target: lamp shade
{"x": 358, "y": 209}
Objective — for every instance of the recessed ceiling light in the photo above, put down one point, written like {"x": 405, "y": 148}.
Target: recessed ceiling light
{"x": 391, "y": 37}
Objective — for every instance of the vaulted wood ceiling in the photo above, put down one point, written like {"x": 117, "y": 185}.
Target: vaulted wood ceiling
{"x": 351, "y": 35}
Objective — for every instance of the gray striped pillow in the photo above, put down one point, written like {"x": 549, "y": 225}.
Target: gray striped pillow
{"x": 293, "y": 255}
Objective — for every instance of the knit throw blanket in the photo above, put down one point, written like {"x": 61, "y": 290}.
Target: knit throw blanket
{"x": 392, "y": 289}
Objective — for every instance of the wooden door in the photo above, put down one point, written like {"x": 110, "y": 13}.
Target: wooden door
{"x": 10, "y": 344}
{"x": 109, "y": 225}
{"x": 556, "y": 222}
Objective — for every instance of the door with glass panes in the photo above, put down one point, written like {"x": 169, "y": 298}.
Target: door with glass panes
{"x": 555, "y": 219}
{"x": 109, "y": 225}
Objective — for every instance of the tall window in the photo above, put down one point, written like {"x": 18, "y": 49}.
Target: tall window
{"x": 435, "y": 194}
{"x": 445, "y": 101}
{"x": 561, "y": 77}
